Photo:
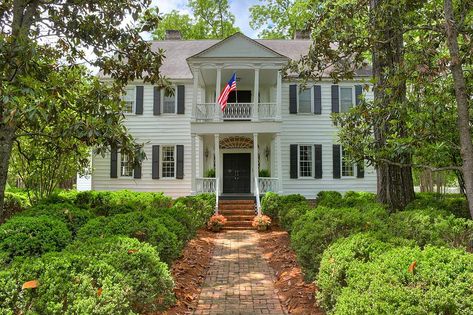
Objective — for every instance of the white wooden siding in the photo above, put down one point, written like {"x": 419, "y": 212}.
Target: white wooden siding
{"x": 316, "y": 129}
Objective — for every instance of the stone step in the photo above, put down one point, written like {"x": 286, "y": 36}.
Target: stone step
{"x": 238, "y": 223}
{"x": 240, "y": 218}
{"x": 233, "y": 228}
{"x": 235, "y": 202}
{"x": 236, "y": 207}
{"x": 226, "y": 213}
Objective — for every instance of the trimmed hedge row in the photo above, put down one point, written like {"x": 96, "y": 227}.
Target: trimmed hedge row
{"x": 111, "y": 251}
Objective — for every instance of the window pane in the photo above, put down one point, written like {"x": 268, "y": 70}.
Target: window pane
{"x": 129, "y": 99}
{"x": 305, "y": 101}
{"x": 168, "y": 162}
{"x": 169, "y": 102}
{"x": 305, "y": 161}
{"x": 347, "y": 167}
{"x": 346, "y": 100}
{"x": 126, "y": 165}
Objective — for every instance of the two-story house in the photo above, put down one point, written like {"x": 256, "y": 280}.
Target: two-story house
{"x": 272, "y": 136}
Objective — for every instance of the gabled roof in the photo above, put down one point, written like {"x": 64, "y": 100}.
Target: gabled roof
{"x": 238, "y": 45}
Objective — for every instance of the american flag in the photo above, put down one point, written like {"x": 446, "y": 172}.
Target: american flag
{"x": 231, "y": 86}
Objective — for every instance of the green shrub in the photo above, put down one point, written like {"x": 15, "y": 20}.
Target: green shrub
{"x": 14, "y": 203}
{"x": 149, "y": 279}
{"x": 67, "y": 284}
{"x": 431, "y": 226}
{"x": 439, "y": 284}
{"x": 329, "y": 199}
{"x": 358, "y": 199}
{"x": 180, "y": 213}
{"x": 32, "y": 236}
{"x": 317, "y": 229}
{"x": 341, "y": 254}
{"x": 73, "y": 216}
{"x": 287, "y": 218}
{"x": 452, "y": 203}
{"x": 61, "y": 196}
{"x": 270, "y": 204}
{"x": 201, "y": 207}
{"x": 139, "y": 226}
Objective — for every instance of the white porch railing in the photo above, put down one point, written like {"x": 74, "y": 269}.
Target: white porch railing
{"x": 208, "y": 185}
{"x": 234, "y": 111}
{"x": 258, "y": 201}
{"x": 266, "y": 184}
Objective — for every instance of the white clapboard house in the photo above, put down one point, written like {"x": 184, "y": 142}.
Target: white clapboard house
{"x": 272, "y": 136}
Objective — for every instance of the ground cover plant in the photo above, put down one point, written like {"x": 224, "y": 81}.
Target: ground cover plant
{"x": 96, "y": 252}
{"x": 345, "y": 242}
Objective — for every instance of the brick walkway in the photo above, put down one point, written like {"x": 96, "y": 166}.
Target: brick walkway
{"x": 239, "y": 280}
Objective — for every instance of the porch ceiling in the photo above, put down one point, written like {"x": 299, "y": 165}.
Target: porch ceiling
{"x": 245, "y": 77}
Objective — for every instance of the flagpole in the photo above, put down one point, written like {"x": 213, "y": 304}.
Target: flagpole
{"x": 236, "y": 90}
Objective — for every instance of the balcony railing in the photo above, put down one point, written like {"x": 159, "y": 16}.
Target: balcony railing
{"x": 206, "y": 185}
{"x": 235, "y": 111}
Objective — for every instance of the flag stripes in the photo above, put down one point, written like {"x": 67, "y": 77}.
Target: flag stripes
{"x": 223, "y": 98}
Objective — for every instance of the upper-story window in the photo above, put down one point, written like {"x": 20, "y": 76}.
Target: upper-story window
{"x": 348, "y": 167}
{"x": 126, "y": 165}
{"x": 346, "y": 98}
{"x": 168, "y": 163}
{"x": 305, "y": 101}
{"x": 129, "y": 99}
{"x": 305, "y": 160}
{"x": 169, "y": 101}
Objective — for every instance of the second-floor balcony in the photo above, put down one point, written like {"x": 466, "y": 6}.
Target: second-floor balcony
{"x": 236, "y": 111}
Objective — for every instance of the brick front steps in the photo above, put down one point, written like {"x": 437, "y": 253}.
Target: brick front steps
{"x": 239, "y": 213}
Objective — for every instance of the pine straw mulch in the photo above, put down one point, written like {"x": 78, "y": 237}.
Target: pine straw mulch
{"x": 189, "y": 272}
{"x": 297, "y": 296}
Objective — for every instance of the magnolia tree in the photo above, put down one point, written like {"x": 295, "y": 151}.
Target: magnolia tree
{"x": 47, "y": 98}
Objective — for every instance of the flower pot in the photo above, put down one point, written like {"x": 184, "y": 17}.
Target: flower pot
{"x": 262, "y": 227}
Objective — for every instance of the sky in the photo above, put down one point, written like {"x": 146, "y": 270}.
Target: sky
{"x": 238, "y": 7}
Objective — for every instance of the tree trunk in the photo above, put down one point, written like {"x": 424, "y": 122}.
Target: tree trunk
{"x": 7, "y": 135}
{"x": 395, "y": 183}
{"x": 463, "y": 121}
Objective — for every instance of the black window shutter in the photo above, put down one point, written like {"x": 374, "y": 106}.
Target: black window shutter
{"x": 155, "y": 162}
{"x": 180, "y": 161}
{"x": 180, "y": 99}
{"x": 139, "y": 100}
{"x": 336, "y": 161}
{"x": 156, "y": 101}
{"x": 317, "y": 99}
{"x": 358, "y": 92}
{"x": 137, "y": 168}
{"x": 293, "y": 99}
{"x": 335, "y": 99}
{"x": 113, "y": 162}
{"x": 293, "y": 163}
{"x": 318, "y": 161}
{"x": 360, "y": 167}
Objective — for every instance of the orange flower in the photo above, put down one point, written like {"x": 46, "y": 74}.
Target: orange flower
{"x": 261, "y": 220}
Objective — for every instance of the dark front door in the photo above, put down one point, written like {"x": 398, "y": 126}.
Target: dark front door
{"x": 236, "y": 172}
{"x": 242, "y": 96}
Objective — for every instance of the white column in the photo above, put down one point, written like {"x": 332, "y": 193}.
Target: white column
{"x": 255, "y": 155}
{"x": 278, "y": 96}
{"x": 195, "y": 91}
{"x": 193, "y": 164}
{"x": 217, "y": 157}
{"x": 201, "y": 156}
{"x": 279, "y": 161}
{"x": 255, "y": 95}
{"x": 218, "y": 84}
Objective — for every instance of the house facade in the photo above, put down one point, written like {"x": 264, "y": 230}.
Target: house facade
{"x": 274, "y": 135}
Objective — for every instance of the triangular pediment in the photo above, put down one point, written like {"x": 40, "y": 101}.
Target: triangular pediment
{"x": 238, "y": 46}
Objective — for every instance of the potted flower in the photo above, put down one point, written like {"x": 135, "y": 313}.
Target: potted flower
{"x": 216, "y": 222}
{"x": 262, "y": 222}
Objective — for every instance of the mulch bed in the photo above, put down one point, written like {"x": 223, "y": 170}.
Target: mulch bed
{"x": 189, "y": 272}
{"x": 297, "y": 296}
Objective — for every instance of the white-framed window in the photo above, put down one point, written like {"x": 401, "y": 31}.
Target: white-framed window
{"x": 347, "y": 167}
{"x": 305, "y": 101}
{"x": 168, "y": 161}
{"x": 169, "y": 101}
{"x": 346, "y": 98}
{"x": 126, "y": 165}
{"x": 306, "y": 160}
{"x": 129, "y": 98}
